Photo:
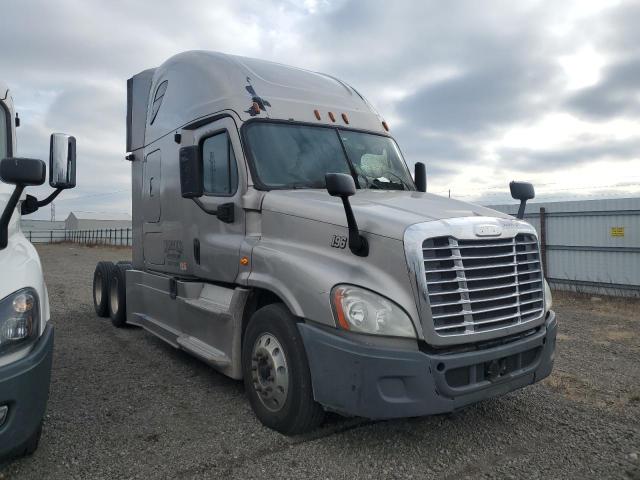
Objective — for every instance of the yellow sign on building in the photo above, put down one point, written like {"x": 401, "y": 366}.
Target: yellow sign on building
{"x": 617, "y": 231}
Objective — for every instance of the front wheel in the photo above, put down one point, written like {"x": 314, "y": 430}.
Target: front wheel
{"x": 276, "y": 372}
{"x": 101, "y": 278}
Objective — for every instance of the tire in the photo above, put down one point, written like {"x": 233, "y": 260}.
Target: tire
{"x": 101, "y": 279}
{"x": 126, "y": 263}
{"x": 281, "y": 399}
{"x": 118, "y": 296}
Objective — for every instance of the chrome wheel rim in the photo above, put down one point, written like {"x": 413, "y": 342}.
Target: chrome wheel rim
{"x": 269, "y": 372}
{"x": 114, "y": 295}
{"x": 97, "y": 289}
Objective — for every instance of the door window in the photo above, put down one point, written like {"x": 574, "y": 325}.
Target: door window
{"x": 4, "y": 133}
{"x": 219, "y": 167}
{"x": 157, "y": 99}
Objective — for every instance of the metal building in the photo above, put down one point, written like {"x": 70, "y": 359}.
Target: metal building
{"x": 589, "y": 245}
{"x": 30, "y": 225}
{"x": 97, "y": 221}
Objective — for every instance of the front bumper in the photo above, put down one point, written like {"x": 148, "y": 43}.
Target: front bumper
{"x": 24, "y": 388}
{"x": 369, "y": 381}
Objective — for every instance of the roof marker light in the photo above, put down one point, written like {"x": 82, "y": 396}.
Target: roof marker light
{"x": 384, "y": 124}
{"x": 332, "y": 116}
{"x": 345, "y": 119}
{"x": 317, "y": 114}
{"x": 255, "y": 108}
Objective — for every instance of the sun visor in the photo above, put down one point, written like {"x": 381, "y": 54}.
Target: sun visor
{"x": 138, "y": 88}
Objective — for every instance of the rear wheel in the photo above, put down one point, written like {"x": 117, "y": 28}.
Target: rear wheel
{"x": 276, "y": 372}
{"x": 101, "y": 278}
{"x": 118, "y": 296}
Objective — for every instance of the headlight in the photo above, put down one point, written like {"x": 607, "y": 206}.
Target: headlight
{"x": 19, "y": 319}
{"x": 360, "y": 310}
{"x": 548, "y": 300}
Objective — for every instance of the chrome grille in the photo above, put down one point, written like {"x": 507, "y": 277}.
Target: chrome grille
{"x": 480, "y": 285}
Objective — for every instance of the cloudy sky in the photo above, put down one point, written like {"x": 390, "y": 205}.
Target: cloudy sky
{"x": 482, "y": 92}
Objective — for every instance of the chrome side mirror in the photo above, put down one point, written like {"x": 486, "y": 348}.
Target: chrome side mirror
{"x": 62, "y": 161}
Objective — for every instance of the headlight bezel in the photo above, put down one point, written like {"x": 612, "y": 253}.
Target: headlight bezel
{"x": 400, "y": 324}
{"x": 19, "y": 317}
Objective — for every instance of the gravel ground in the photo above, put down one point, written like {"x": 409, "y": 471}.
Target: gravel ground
{"x": 125, "y": 405}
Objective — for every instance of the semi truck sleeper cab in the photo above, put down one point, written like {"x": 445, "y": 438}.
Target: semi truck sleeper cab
{"x": 280, "y": 237}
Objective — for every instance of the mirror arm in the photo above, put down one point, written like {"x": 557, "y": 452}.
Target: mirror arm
{"x": 32, "y": 204}
{"x": 50, "y": 198}
{"x": 7, "y": 214}
{"x": 224, "y": 212}
{"x": 357, "y": 243}
{"x": 523, "y": 204}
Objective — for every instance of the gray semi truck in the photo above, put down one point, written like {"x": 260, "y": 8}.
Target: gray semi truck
{"x": 279, "y": 236}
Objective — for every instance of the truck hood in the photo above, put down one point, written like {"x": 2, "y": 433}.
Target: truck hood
{"x": 386, "y": 213}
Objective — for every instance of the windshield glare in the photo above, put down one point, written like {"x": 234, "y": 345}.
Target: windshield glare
{"x": 299, "y": 156}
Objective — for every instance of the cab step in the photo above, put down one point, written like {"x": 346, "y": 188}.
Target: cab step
{"x": 203, "y": 351}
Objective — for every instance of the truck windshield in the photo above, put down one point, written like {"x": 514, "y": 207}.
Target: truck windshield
{"x": 298, "y": 156}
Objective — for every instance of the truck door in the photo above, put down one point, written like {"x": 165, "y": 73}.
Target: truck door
{"x": 151, "y": 168}
{"x": 151, "y": 187}
{"x": 217, "y": 237}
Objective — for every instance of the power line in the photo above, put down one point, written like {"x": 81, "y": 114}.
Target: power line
{"x": 92, "y": 195}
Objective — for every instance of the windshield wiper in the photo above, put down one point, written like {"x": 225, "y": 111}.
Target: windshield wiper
{"x": 405, "y": 185}
{"x": 380, "y": 185}
{"x": 302, "y": 186}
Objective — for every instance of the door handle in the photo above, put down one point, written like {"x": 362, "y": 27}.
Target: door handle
{"x": 196, "y": 250}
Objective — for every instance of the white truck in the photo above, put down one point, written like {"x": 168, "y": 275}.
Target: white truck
{"x": 26, "y": 335}
{"x": 279, "y": 236}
